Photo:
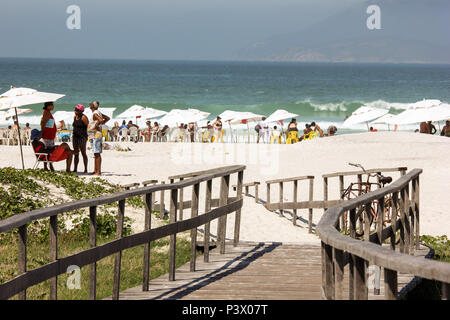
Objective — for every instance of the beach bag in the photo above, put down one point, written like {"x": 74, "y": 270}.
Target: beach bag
{"x": 58, "y": 154}
{"x": 257, "y": 128}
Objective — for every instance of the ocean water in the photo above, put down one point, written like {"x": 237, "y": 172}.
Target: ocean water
{"x": 324, "y": 93}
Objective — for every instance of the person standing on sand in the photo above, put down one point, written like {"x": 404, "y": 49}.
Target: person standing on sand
{"x": 424, "y": 128}
{"x": 431, "y": 127}
{"x": 95, "y": 126}
{"x": 80, "y": 137}
{"x": 446, "y": 129}
{"x": 48, "y": 126}
{"x": 217, "y": 128}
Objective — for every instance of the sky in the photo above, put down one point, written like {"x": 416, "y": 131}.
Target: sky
{"x": 155, "y": 29}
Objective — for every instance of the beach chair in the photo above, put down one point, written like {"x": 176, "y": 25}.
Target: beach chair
{"x": 64, "y": 135}
{"x": 133, "y": 131}
{"x": 292, "y": 137}
{"x": 124, "y": 135}
{"x": 310, "y": 135}
{"x": 25, "y": 135}
{"x": 114, "y": 134}
{"x": 205, "y": 136}
{"x": 275, "y": 139}
{"x": 58, "y": 155}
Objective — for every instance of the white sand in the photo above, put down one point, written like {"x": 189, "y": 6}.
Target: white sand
{"x": 265, "y": 162}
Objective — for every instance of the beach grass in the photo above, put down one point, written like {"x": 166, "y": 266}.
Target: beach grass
{"x": 68, "y": 244}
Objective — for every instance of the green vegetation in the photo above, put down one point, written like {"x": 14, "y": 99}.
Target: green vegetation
{"x": 440, "y": 245}
{"x": 26, "y": 190}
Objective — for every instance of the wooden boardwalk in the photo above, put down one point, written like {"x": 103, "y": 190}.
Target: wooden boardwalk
{"x": 251, "y": 271}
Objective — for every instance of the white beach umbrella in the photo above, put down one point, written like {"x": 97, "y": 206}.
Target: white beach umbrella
{"x": 422, "y": 112}
{"x": 18, "y": 97}
{"x": 383, "y": 120}
{"x": 66, "y": 116}
{"x": 178, "y": 116}
{"x": 132, "y": 112}
{"x": 11, "y": 112}
{"x": 364, "y": 114}
{"x": 280, "y": 115}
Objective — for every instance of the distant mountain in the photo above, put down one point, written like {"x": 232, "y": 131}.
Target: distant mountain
{"x": 412, "y": 32}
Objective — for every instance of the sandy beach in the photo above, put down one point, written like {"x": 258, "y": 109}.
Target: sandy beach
{"x": 265, "y": 162}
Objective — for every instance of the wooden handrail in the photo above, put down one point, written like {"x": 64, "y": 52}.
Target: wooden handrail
{"x": 363, "y": 252}
{"x": 371, "y": 171}
{"x": 57, "y": 266}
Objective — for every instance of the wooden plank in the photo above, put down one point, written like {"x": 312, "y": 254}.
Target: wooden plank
{"x": 281, "y": 199}
{"x": 222, "y": 225}
{"x": 93, "y": 244}
{"x": 268, "y": 195}
{"x": 417, "y": 210}
{"x": 118, "y": 256}
{"x": 194, "y": 213}
{"x": 148, "y": 201}
{"x": 390, "y": 284}
{"x": 328, "y": 269}
{"x": 237, "y": 219}
{"x": 22, "y": 256}
{"x": 173, "y": 237}
{"x": 295, "y": 192}
{"x": 352, "y": 173}
{"x": 53, "y": 255}
{"x": 338, "y": 262}
{"x": 180, "y": 204}
{"x": 360, "y": 280}
{"x": 310, "y": 210}
{"x": 325, "y": 193}
{"x": 290, "y": 179}
{"x": 162, "y": 207}
{"x": 207, "y": 225}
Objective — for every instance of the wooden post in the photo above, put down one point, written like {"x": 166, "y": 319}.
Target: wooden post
{"x": 311, "y": 198}
{"x": 367, "y": 217}
{"x": 22, "y": 259}
{"x": 194, "y": 213}
{"x": 246, "y": 191}
{"x": 173, "y": 237}
{"x": 327, "y": 272}
{"x": 411, "y": 215}
{"x": 417, "y": 211}
{"x": 281, "y": 199}
{"x": 53, "y": 255}
{"x": 338, "y": 259}
{"x": 343, "y": 221}
{"x": 162, "y": 207}
{"x": 181, "y": 206}
{"x": 118, "y": 257}
{"x": 390, "y": 284}
{"x": 237, "y": 219}
{"x": 445, "y": 291}
{"x": 294, "y": 217}
{"x": 380, "y": 217}
{"x": 268, "y": 194}
{"x": 394, "y": 216}
{"x": 360, "y": 283}
{"x": 147, "y": 226}
{"x": 256, "y": 193}
{"x": 222, "y": 230}
{"x": 352, "y": 224}
{"x": 93, "y": 244}
{"x": 207, "y": 225}
{"x": 325, "y": 194}
{"x": 405, "y": 214}
{"x": 351, "y": 279}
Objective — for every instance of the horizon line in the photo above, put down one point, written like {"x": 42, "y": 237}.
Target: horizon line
{"x": 229, "y": 60}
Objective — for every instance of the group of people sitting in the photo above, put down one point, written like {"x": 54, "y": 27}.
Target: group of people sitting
{"x": 132, "y": 132}
{"x": 273, "y": 135}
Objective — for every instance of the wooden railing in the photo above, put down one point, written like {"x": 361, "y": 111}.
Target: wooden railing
{"x": 338, "y": 249}
{"x": 225, "y": 205}
{"x": 311, "y": 204}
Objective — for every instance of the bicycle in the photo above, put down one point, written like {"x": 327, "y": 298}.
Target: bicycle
{"x": 356, "y": 189}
